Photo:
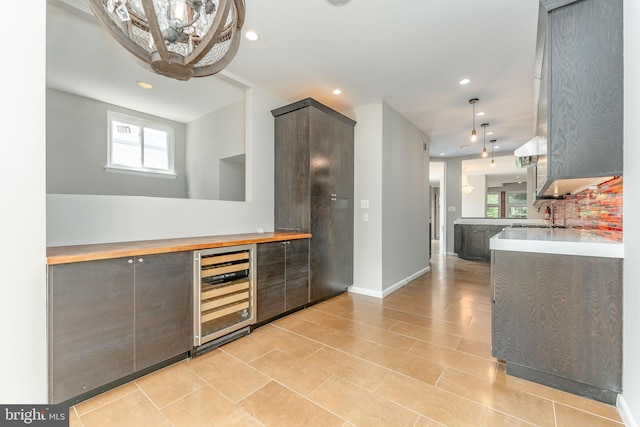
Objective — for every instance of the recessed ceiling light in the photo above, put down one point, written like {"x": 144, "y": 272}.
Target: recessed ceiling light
{"x": 145, "y": 85}
{"x": 442, "y": 154}
{"x": 337, "y": 92}
{"x": 480, "y": 113}
{"x": 465, "y": 81}
{"x": 497, "y": 146}
{"x": 489, "y": 133}
{"x": 338, "y": 2}
{"x": 251, "y": 35}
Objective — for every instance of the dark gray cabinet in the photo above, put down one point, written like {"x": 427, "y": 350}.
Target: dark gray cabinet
{"x": 111, "y": 318}
{"x": 471, "y": 241}
{"x": 91, "y": 326}
{"x": 163, "y": 307}
{"x": 282, "y": 277}
{"x": 557, "y": 320}
{"x": 584, "y": 105}
{"x": 314, "y": 151}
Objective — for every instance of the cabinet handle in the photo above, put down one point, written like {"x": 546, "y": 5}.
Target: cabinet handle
{"x": 140, "y": 259}
{"x": 130, "y": 261}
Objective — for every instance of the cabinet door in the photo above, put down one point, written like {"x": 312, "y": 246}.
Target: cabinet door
{"x": 331, "y": 246}
{"x": 297, "y": 274}
{"x": 163, "y": 307}
{"x": 331, "y": 145}
{"x": 91, "y": 326}
{"x": 270, "y": 265}
{"x": 292, "y": 171}
{"x": 586, "y": 89}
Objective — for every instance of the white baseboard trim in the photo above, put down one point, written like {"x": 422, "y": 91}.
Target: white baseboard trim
{"x": 389, "y": 290}
{"x": 451, "y": 253}
{"x": 625, "y": 413}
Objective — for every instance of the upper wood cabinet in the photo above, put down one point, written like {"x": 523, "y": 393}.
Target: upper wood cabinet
{"x": 584, "y": 85}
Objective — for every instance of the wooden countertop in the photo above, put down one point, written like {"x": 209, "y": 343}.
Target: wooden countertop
{"x": 77, "y": 253}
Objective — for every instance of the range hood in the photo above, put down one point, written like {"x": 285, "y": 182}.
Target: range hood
{"x": 527, "y": 155}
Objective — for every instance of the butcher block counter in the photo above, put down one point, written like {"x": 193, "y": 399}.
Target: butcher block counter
{"x": 77, "y": 253}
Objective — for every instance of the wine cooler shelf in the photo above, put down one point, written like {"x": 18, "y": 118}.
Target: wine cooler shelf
{"x": 225, "y": 291}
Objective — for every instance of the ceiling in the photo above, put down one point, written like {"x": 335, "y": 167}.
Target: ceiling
{"x": 408, "y": 53}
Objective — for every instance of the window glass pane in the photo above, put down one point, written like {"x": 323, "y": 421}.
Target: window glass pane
{"x": 156, "y": 149}
{"x": 517, "y": 198}
{"x": 125, "y": 144}
{"x": 493, "y": 199}
{"x": 492, "y": 212}
{"x": 517, "y": 212}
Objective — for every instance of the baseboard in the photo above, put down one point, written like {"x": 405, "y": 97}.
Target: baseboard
{"x": 390, "y": 289}
{"x": 625, "y": 413}
{"x": 451, "y": 253}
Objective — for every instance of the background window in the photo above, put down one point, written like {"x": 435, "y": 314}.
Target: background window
{"x": 493, "y": 205}
{"x": 517, "y": 204}
{"x": 139, "y": 145}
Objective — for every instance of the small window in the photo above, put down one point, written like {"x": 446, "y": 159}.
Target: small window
{"x": 139, "y": 146}
{"x": 493, "y": 205}
{"x": 517, "y": 204}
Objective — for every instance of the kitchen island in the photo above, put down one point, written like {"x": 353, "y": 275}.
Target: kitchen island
{"x": 471, "y": 235}
{"x": 557, "y": 309}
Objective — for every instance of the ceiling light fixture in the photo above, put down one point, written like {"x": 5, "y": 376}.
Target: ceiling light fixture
{"x": 493, "y": 162}
{"x": 466, "y": 187}
{"x": 465, "y": 81}
{"x": 252, "y": 36}
{"x": 338, "y": 2}
{"x": 484, "y": 140}
{"x": 175, "y": 38}
{"x": 336, "y": 92}
{"x": 145, "y": 85}
{"x": 480, "y": 113}
{"x": 474, "y": 136}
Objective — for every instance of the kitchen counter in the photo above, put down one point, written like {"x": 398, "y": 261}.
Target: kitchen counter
{"x": 562, "y": 241}
{"x": 498, "y": 221}
{"x": 67, "y": 254}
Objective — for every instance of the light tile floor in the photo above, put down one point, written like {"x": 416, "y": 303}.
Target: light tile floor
{"x": 420, "y": 357}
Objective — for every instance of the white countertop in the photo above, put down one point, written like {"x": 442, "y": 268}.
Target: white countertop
{"x": 497, "y": 221}
{"x": 563, "y": 241}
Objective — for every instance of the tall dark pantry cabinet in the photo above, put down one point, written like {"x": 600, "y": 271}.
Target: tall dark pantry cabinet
{"x": 314, "y": 189}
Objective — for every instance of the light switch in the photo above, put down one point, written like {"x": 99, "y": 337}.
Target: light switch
{"x": 365, "y": 217}
{"x": 451, "y": 208}
{"x": 364, "y": 204}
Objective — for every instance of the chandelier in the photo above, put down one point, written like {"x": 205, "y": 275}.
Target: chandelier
{"x": 175, "y": 38}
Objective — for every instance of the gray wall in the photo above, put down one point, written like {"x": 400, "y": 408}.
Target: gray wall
{"x": 215, "y": 136}
{"x": 452, "y": 199}
{"x": 77, "y": 151}
{"x": 631, "y": 292}
{"x": 80, "y": 219}
{"x": 405, "y": 194}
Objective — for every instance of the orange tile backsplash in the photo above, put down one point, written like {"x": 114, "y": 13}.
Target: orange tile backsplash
{"x": 598, "y": 210}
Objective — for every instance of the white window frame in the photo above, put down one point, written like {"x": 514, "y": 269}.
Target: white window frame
{"x": 492, "y": 205}
{"x": 142, "y": 123}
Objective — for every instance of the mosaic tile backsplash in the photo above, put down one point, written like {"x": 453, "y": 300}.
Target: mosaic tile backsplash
{"x": 598, "y": 210}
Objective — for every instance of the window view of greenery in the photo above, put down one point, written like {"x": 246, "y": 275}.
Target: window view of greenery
{"x": 493, "y": 205}
{"x": 517, "y": 205}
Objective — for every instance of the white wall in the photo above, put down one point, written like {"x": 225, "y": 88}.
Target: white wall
{"x": 217, "y": 135}
{"x": 367, "y": 249}
{"x": 23, "y": 359}
{"x": 76, "y": 219}
{"x": 77, "y": 129}
{"x": 474, "y": 204}
{"x": 405, "y": 195}
{"x": 631, "y": 291}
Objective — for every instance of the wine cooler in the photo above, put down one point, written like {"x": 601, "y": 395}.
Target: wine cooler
{"x": 224, "y": 293}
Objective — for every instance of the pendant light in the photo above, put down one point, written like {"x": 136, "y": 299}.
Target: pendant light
{"x": 474, "y": 136}
{"x": 180, "y": 39}
{"x": 484, "y": 140}
{"x": 493, "y": 163}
